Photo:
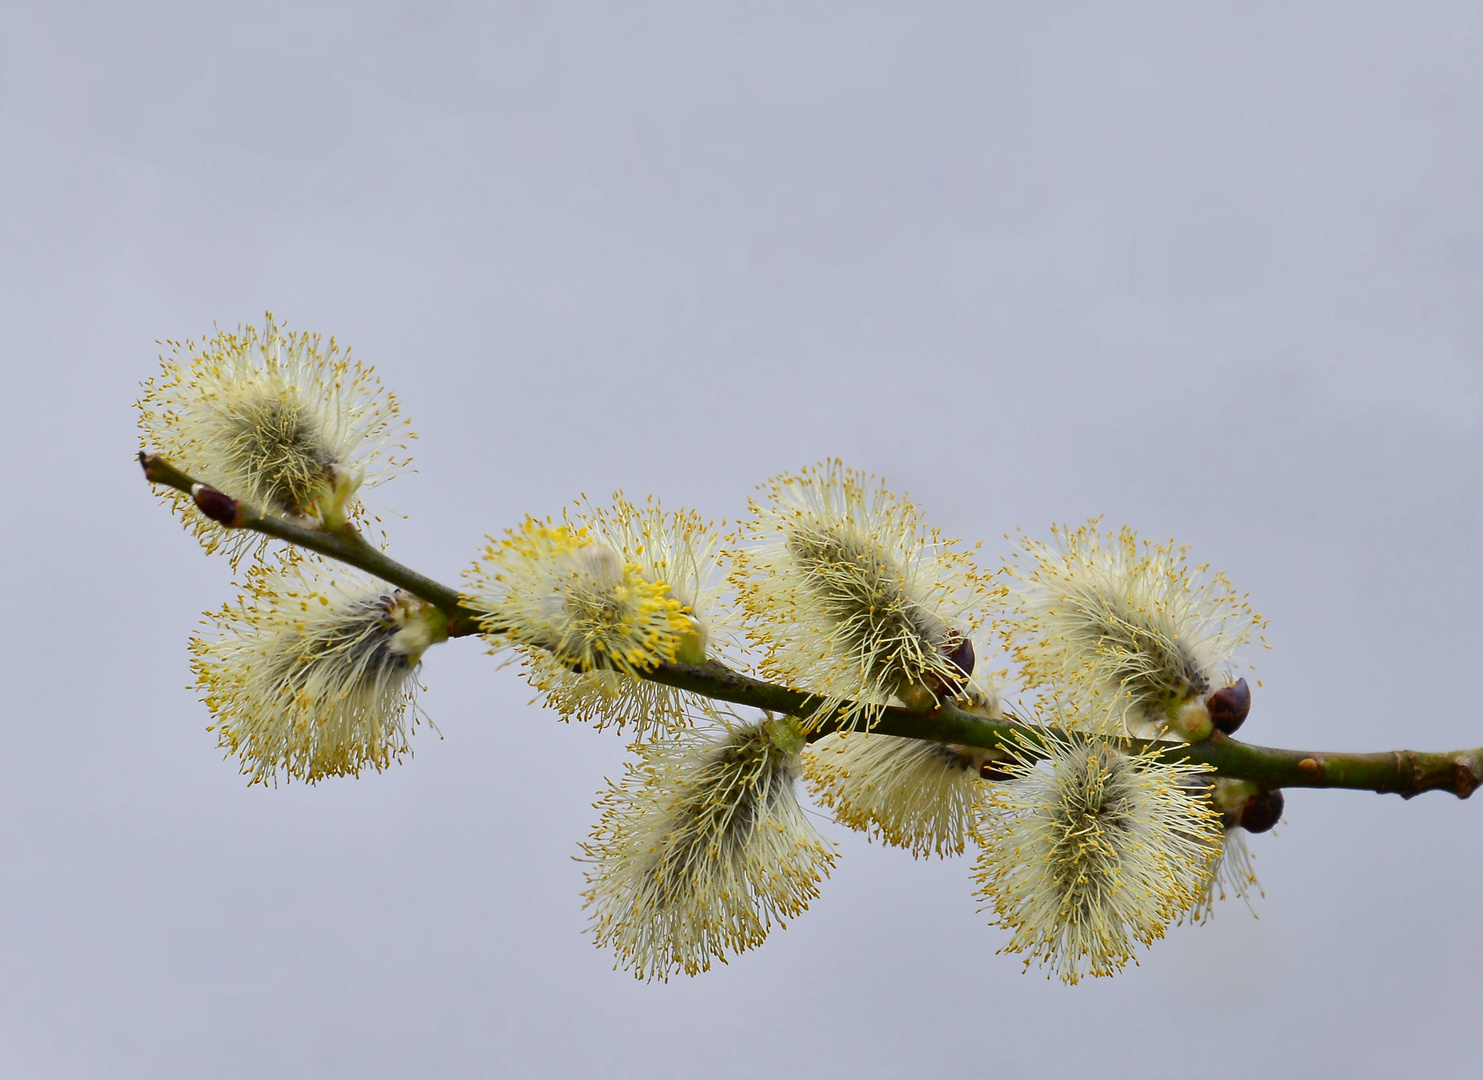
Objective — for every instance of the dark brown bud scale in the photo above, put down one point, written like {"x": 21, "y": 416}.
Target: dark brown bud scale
{"x": 957, "y": 650}
{"x": 961, "y": 656}
{"x": 1228, "y": 707}
{"x": 1262, "y": 811}
{"x": 990, "y": 770}
{"x": 216, "y": 505}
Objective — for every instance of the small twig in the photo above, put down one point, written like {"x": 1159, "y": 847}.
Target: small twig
{"x": 346, "y": 545}
{"x": 1404, "y": 772}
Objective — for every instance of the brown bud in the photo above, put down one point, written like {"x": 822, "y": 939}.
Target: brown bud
{"x": 1228, "y": 707}
{"x": 216, "y": 505}
{"x": 990, "y": 770}
{"x": 957, "y": 650}
{"x": 1262, "y": 811}
{"x": 960, "y": 655}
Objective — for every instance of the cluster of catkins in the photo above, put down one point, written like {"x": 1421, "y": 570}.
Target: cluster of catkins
{"x": 832, "y": 585}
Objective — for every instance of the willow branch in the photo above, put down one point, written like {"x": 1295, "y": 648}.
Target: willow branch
{"x": 346, "y": 545}
{"x": 1403, "y": 772}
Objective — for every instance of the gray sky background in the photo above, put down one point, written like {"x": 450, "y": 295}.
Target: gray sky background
{"x": 1212, "y": 270}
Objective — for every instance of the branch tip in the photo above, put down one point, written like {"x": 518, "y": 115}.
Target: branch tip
{"x": 151, "y": 464}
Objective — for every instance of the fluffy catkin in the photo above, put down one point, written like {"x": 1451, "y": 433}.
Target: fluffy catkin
{"x": 1128, "y": 634}
{"x": 675, "y": 550}
{"x": 909, "y": 793}
{"x": 1091, "y": 852}
{"x": 312, "y": 673}
{"x": 702, "y": 848}
{"x": 851, "y": 597}
{"x": 285, "y": 422}
{"x": 562, "y": 590}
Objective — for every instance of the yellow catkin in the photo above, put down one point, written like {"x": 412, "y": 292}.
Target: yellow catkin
{"x": 1086, "y": 855}
{"x": 1124, "y": 632}
{"x": 312, "y": 673}
{"x": 908, "y": 793}
{"x": 702, "y": 848}
{"x": 850, "y": 596}
{"x": 285, "y": 422}
{"x": 559, "y": 590}
{"x": 677, "y": 550}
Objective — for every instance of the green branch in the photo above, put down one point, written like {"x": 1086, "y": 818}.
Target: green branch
{"x": 346, "y": 545}
{"x": 1404, "y": 772}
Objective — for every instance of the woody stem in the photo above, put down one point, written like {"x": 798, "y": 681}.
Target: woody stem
{"x": 1404, "y": 772}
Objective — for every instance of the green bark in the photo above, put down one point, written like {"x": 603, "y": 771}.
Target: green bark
{"x": 1404, "y": 772}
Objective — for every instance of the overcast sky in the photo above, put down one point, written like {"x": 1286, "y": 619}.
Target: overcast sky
{"x": 1212, "y": 270}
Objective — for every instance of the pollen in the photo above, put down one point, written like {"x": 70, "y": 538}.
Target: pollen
{"x": 572, "y": 599}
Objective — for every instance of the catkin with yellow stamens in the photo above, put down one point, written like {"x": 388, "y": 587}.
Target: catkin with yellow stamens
{"x": 312, "y": 673}
{"x": 562, "y": 591}
{"x": 1092, "y": 852}
{"x": 852, "y": 597}
{"x": 678, "y": 551}
{"x": 701, "y": 848}
{"x": 286, "y": 423}
{"x": 1132, "y": 635}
